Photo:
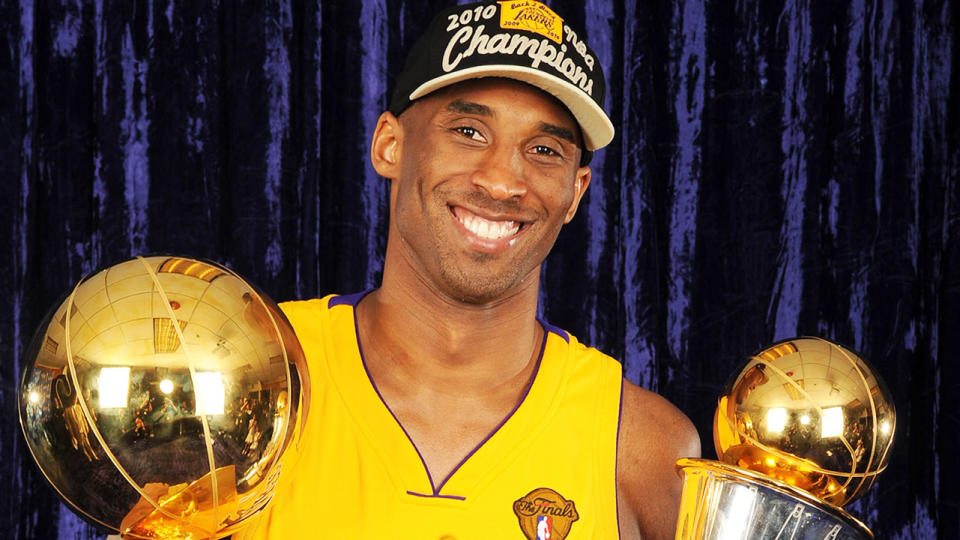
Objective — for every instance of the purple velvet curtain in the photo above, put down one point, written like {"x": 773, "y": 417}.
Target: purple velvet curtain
{"x": 781, "y": 168}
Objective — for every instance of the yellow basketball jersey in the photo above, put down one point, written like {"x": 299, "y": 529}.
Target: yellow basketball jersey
{"x": 548, "y": 469}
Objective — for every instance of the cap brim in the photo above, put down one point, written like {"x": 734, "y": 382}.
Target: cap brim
{"x": 596, "y": 127}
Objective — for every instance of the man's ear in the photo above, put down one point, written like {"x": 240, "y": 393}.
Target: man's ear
{"x": 385, "y": 149}
{"x": 580, "y": 183}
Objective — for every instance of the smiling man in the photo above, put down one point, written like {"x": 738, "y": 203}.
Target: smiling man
{"x": 441, "y": 406}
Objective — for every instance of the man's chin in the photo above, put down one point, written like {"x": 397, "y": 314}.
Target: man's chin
{"x": 481, "y": 290}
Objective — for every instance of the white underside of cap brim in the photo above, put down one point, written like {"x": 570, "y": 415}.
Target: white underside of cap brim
{"x": 596, "y": 127}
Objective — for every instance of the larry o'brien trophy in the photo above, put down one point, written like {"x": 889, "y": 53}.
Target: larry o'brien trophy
{"x": 802, "y": 429}
{"x": 159, "y": 398}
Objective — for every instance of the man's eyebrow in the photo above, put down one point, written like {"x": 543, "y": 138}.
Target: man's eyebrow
{"x": 558, "y": 131}
{"x": 460, "y": 106}
{"x": 468, "y": 107}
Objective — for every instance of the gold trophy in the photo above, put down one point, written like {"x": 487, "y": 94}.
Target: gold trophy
{"x": 804, "y": 428}
{"x": 160, "y": 397}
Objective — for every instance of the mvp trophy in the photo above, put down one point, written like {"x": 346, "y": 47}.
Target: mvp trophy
{"x": 160, "y": 397}
{"x": 801, "y": 430}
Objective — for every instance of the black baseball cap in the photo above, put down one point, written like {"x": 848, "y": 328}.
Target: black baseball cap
{"x": 522, "y": 40}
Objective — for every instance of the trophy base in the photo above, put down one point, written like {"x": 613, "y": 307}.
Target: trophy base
{"x": 724, "y": 502}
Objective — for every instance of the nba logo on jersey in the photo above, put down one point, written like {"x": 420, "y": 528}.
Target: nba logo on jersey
{"x": 544, "y": 514}
{"x": 543, "y": 527}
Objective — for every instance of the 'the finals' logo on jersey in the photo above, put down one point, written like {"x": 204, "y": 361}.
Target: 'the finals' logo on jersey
{"x": 545, "y": 515}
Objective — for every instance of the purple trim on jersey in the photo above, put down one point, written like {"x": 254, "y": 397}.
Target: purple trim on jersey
{"x": 616, "y": 483}
{"x": 437, "y": 488}
{"x": 436, "y": 496}
{"x": 347, "y": 299}
{"x": 551, "y": 328}
{"x": 363, "y": 360}
{"x": 526, "y": 392}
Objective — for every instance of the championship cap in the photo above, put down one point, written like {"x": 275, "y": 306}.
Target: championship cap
{"x": 523, "y": 40}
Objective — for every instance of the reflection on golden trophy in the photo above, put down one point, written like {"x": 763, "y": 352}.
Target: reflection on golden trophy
{"x": 801, "y": 430}
{"x": 160, "y": 397}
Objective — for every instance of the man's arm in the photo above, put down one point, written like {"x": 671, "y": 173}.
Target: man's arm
{"x": 653, "y": 435}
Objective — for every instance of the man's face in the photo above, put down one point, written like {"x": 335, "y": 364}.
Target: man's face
{"x": 487, "y": 173}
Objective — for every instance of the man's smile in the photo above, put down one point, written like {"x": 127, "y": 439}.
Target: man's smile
{"x": 492, "y": 233}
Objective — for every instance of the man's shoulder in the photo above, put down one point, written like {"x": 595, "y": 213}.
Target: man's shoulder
{"x": 584, "y": 362}
{"x": 647, "y": 415}
{"x": 653, "y": 435}
{"x": 311, "y": 314}
{"x": 321, "y": 303}
{"x": 308, "y": 303}
{"x": 573, "y": 345}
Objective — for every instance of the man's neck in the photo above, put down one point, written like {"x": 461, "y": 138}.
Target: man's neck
{"x": 419, "y": 334}
{"x": 449, "y": 372}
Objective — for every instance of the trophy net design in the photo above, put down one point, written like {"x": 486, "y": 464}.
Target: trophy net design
{"x": 803, "y": 428}
{"x": 159, "y": 398}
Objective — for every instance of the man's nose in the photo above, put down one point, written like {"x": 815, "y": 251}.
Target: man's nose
{"x": 500, "y": 174}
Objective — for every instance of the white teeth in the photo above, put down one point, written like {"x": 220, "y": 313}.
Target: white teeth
{"x": 490, "y": 230}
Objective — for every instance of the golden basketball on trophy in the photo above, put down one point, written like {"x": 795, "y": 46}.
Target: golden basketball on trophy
{"x": 801, "y": 430}
{"x": 160, "y": 397}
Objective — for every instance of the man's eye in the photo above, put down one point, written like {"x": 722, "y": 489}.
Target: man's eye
{"x": 469, "y": 132}
{"x": 545, "y": 150}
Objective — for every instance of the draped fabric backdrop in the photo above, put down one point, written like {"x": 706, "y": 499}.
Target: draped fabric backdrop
{"x": 781, "y": 168}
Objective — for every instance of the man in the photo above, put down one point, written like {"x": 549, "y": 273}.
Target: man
{"x": 441, "y": 407}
